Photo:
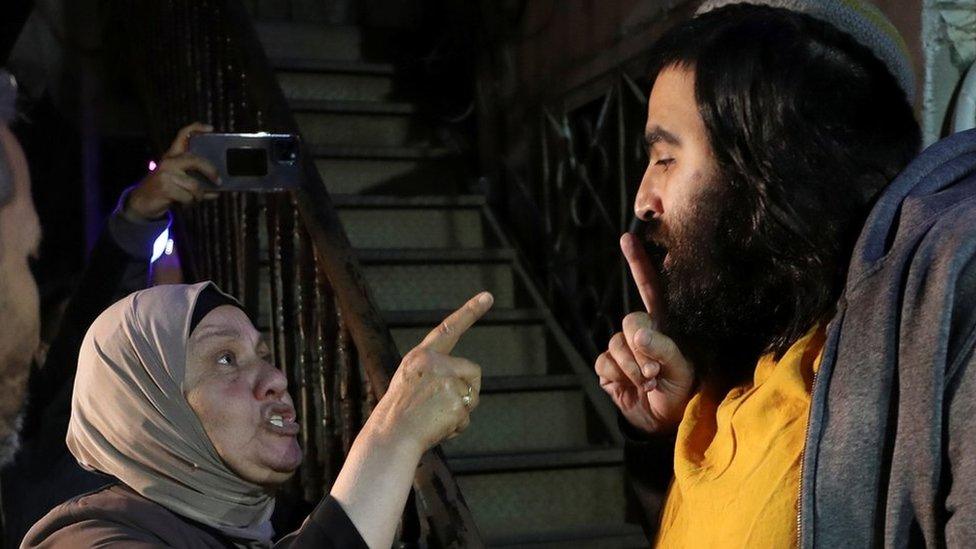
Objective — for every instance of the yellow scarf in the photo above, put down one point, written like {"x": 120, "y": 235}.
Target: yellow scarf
{"x": 737, "y": 462}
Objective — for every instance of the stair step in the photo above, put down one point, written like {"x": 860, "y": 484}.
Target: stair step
{"x": 512, "y": 384}
{"x": 535, "y": 505}
{"x": 352, "y": 107}
{"x": 291, "y": 10}
{"x": 439, "y": 285}
{"x": 623, "y": 536}
{"x": 430, "y": 228}
{"x": 289, "y": 39}
{"x": 361, "y": 129}
{"x": 500, "y": 349}
{"x": 422, "y": 152}
{"x": 524, "y": 422}
{"x": 528, "y": 461}
{"x": 400, "y": 256}
{"x": 350, "y": 176}
{"x": 394, "y": 202}
{"x": 319, "y": 65}
{"x": 361, "y": 86}
{"x": 432, "y": 317}
{"x": 269, "y": 9}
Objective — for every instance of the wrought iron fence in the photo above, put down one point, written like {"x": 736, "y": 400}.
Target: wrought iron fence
{"x": 592, "y": 155}
{"x": 572, "y": 189}
{"x": 566, "y": 180}
{"x": 285, "y": 255}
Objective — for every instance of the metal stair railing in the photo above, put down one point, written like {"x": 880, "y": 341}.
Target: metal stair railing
{"x": 201, "y": 60}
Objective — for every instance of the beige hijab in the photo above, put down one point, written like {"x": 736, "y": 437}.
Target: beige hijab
{"x": 130, "y": 418}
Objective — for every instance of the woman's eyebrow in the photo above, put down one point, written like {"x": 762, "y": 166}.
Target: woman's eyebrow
{"x": 657, "y": 133}
{"x": 217, "y": 331}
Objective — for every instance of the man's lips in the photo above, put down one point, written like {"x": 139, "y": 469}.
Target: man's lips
{"x": 279, "y": 418}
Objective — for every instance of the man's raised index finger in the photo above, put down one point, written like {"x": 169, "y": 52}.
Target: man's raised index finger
{"x": 640, "y": 267}
{"x": 445, "y": 336}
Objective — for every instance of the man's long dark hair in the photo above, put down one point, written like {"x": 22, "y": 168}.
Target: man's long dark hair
{"x": 807, "y": 127}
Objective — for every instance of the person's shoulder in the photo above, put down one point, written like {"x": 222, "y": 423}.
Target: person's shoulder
{"x": 942, "y": 230}
{"x": 112, "y": 512}
{"x": 944, "y": 267}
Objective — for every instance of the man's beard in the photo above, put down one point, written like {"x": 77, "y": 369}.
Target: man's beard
{"x": 726, "y": 301}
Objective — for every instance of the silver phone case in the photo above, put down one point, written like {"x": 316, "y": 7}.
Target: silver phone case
{"x": 281, "y": 176}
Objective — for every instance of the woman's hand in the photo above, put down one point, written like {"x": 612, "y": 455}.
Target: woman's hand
{"x": 171, "y": 182}
{"x": 643, "y": 371}
{"x": 429, "y": 399}
{"x": 432, "y": 394}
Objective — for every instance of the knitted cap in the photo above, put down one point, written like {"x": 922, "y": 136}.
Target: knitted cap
{"x": 864, "y": 22}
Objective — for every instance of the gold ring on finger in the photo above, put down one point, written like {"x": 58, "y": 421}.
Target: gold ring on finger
{"x": 468, "y": 397}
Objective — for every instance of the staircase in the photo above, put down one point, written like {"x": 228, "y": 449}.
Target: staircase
{"x": 540, "y": 465}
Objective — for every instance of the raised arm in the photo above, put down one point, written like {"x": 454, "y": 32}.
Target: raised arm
{"x": 429, "y": 399}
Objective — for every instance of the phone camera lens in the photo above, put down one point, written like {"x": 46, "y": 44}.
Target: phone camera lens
{"x": 285, "y": 151}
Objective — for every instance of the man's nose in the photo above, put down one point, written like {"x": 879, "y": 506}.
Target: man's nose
{"x": 647, "y": 203}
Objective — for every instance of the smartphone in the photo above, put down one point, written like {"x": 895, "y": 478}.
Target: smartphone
{"x": 262, "y": 162}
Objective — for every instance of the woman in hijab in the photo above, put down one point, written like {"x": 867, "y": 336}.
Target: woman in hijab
{"x": 176, "y": 398}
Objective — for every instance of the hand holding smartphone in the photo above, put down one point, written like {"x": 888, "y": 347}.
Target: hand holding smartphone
{"x": 260, "y": 162}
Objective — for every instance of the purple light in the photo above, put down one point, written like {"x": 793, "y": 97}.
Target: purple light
{"x": 152, "y": 165}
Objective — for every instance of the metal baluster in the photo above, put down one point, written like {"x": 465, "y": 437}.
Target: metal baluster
{"x": 305, "y": 314}
{"x": 208, "y": 12}
{"x": 201, "y": 237}
{"x": 212, "y": 225}
{"x": 237, "y": 245}
{"x": 274, "y": 275}
{"x": 251, "y": 236}
{"x": 286, "y": 272}
{"x": 231, "y": 87}
{"x": 220, "y": 77}
{"x": 368, "y": 396}
{"x": 345, "y": 374}
{"x": 327, "y": 349}
{"x": 226, "y": 242}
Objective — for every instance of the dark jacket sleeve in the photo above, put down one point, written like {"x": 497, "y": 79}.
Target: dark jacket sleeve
{"x": 327, "y": 527}
{"x": 960, "y": 398}
{"x": 649, "y": 467}
{"x": 95, "y": 533}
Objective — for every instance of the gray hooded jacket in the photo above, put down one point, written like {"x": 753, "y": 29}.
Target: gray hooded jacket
{"x": 890, "y": 455}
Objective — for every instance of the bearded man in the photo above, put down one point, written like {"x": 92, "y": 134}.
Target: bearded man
{"x": 804, "y": 371}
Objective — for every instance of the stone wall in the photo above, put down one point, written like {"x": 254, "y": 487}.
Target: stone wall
{"x": 948, "y": 39}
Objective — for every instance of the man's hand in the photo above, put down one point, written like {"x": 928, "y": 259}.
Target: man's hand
{"x": 431, "y": 396}
{"x": 171, "y": 183}
{"x": 643, "y": 370}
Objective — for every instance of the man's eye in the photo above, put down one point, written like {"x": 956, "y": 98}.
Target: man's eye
{"x": 226, "y": 359}
{"x": 665, "y": 162}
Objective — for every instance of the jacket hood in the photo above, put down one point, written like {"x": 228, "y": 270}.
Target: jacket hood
{"x": 927, "y": 187}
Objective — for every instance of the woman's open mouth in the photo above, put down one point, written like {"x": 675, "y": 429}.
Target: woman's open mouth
{"x": 280, "y": 419}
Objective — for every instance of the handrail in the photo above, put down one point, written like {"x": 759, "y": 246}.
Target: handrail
{"x": 202, "y": 60}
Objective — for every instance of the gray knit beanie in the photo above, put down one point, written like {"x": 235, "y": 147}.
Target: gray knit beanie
{"x": 8, "y": 109}
{"x": 862, "y": 21}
